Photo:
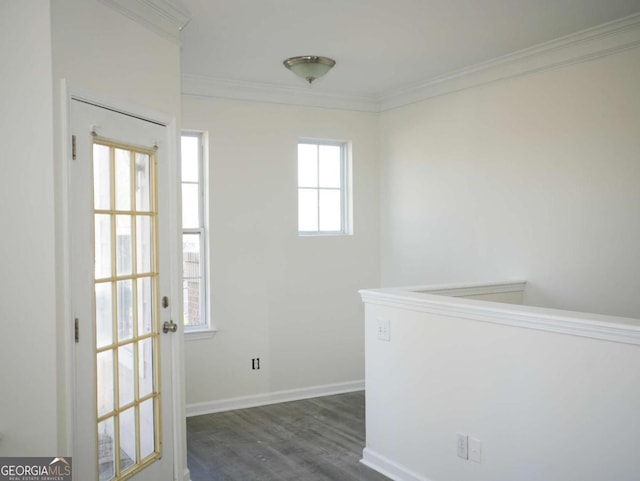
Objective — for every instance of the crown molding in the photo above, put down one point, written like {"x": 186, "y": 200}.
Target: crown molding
{"x": 262, "y": 92}
{"x": 582, "y": 46}
{"x": 165, "y": 17}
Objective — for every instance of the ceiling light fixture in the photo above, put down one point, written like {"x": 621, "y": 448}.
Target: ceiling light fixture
{"x": 309, "y": 67}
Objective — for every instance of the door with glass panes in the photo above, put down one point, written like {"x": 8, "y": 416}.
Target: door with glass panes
{"x": 119, "y": 279}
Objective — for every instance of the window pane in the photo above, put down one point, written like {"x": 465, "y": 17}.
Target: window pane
{"x": 143, "y": 190}
{"x": 191, "y": 289}
{"x": 145, "y": 307}
{"x": 125, "y": 310}
{"x": 106, "y": 450}
{"x": 189, "y": 159}
{"x": 101, "y": 177}
{"x": 330, "y": 171}
{"x": 307, "y": 165}
{"x": 190, "y": 206}
{"x": 123, "y": 179}
{"x": 192, "y": 285}
{"x": 191, "y": 255}
{"x": 147, "y": 429}
{"x": 104, "y": 314}
{"x": 308, "y": 210}
{"x": 102, "y": 245}
{"x": 105, "y": 388}
{"x": 128, "y": 439}
{"x": 330, "y": 211}
{"x": 145, "y": 366}
{"x": 143, "y": 244}
{"x": 124, "y": 241}
{"x": 125, "y": 374}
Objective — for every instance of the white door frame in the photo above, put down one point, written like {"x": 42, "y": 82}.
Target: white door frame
{"x": 68, "y": 93}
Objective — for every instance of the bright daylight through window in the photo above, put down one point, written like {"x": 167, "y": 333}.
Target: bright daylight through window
{"x": 322, "y": 188}
{"x": 194, "y": 234}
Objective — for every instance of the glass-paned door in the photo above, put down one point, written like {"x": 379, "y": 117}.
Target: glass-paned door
{"x": 120, "y": 269}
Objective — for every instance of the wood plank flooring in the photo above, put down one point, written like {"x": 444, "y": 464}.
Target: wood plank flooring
{"x": 318, "y": 439}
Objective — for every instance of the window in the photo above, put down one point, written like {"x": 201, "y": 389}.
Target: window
{"x": 194, "y": 233}
{"x": 322, "y": 188}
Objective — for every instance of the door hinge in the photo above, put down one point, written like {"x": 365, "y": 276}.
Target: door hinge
{"x": 73, "y": 147}
{"x": 76, "y": 329}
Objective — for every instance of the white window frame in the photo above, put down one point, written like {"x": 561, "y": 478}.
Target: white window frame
{"x": 345, "y": 189}
{"x": 205, "y": 329}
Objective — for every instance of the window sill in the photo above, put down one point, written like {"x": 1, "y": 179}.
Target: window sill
{"x": 324, "y": 234}
{"x": 199, "y": 334}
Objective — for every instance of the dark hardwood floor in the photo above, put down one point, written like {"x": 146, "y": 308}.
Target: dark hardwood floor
{"x": 318, "y": 439}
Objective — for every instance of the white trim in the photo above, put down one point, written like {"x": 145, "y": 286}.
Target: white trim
{"x": 202, "y": 230}
{"x": 177, "y": 339}
{"x": 581, "y": 46}
{"x": 186, "y": 476}
{"x": 165, "y": 17}
{"x": 255, "y": 400}
{"x": 323, "y": 233}
{"x": 200, "y": 85}
{"x": 594, "y": 326}
{"x": 65, "y": 265}
{"x": 121, "y": 106}
{"x": 344, "y": 189}
{"x": 389, "y": 468}
{"x": 199, "y": 334}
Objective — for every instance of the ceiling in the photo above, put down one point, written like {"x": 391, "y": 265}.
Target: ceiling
{"x": 380, "y": 46}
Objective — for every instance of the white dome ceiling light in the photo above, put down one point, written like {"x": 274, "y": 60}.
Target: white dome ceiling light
{"x": 309, "y": 67}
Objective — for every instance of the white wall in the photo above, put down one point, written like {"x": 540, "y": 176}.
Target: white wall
{"x": 27, "y": 258}
{"x": 101, "y": 50}
{"x": 536, "y": 177}
{"x": 545, "y": 406}
{"x": 291, "y": 301}
{"x": 98, "y": 49}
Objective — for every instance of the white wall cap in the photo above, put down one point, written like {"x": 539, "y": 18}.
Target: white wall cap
{"x": 595, "y": 326}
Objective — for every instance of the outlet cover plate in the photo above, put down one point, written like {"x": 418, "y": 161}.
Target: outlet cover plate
{"x": 383, "y": 329}
{"x": 463, "y": 446}
{"x": 475, "y": 450}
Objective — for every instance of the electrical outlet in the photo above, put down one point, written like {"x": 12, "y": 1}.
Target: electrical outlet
{"x": 463, "y": 446}
{"x": 475, "y": 450}
{"x": 255, "y": 363}
{"x": 383, "y": 330}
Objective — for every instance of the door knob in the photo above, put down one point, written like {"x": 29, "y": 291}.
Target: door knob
{"x": 169, "y": 326}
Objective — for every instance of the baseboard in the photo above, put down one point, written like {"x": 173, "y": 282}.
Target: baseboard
{"x": 209, "y": 407}
{"x": 389, "y": 468}
{"x": 187, "y": 475}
